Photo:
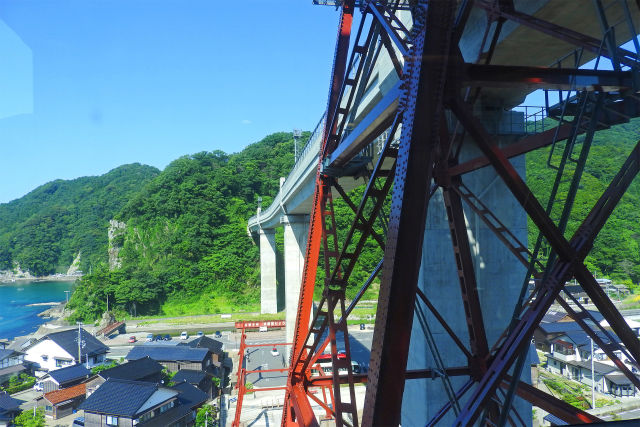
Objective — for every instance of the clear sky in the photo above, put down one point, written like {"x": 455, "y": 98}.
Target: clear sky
{"x": 88, "y": 85}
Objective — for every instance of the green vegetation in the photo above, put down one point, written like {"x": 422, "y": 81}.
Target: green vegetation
{"x": 18, "y": 383}
{"x": 104, "y": 367}
{"x": 185, "y": 250}
{"x": 185, "y": 243}
{"x": 573, "y": 393}
{"x": 207, "y": 415}
{"x": 616, "y": 252}
{"x": 29, "y": 419}
{"x": 46, "y": 229}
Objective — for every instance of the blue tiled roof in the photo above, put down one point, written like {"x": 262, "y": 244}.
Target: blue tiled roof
{"x": 119, "y": 397}
{"x": 133, "y": 370}
{"x": 556, "y": 327}
{"x": 189, "y": 375}
{"x": 70, "y": 373}
{"x": 555, "y": 421}
{"x": 190, "y": 395}
{"x": 165, "y": 354}
{"x": 8, "y": 403}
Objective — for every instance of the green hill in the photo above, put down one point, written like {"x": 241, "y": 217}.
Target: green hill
{"x": 185, "y": 246}
{"x": 616, "y": 252}
{"x": 45, "y": 230}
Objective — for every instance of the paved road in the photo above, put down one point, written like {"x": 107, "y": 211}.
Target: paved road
{"x": 261, "y": 358}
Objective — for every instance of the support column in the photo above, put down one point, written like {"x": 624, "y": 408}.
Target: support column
{"x": 295, "y": 241}
{"x": 268, "y": 289}
{"x": 499, "y": 278}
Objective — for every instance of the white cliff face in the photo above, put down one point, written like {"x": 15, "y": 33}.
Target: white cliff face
{"x": 75, "y": 266}
{"x": 115, "y": 233}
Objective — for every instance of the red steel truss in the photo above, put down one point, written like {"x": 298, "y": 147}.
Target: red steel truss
{"x": 432, "y": 109}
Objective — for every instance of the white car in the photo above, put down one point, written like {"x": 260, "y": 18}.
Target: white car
{"x": 274, "y": 352}
{"x": 184, "y": 335}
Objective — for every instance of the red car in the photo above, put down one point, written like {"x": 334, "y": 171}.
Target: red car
{"x": 132, "y": 339}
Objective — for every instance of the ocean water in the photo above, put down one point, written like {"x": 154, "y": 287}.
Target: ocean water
{"x": 16, "y": 316}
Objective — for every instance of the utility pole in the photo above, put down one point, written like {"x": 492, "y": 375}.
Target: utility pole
{"x": 107, "y": 303}
{"x": 79, "y": 343}
{"x": 593, "y": 380}
{"x": 67, "y": 295}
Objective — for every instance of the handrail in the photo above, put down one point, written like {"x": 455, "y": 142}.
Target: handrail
{"x": 308, "y": 156}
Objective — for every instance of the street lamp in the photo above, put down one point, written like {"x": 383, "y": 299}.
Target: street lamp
{"x": 297, "y": 133}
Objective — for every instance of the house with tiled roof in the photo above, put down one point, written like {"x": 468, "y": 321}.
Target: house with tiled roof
{"x": 63, "y": 377}
{"x": 126, "y": 403}
{"x": 174, "y": 358}
{"x": 60, "y": 349}
{"x": 11, "y": 363}
{"x": 63, "y": 402}
{"x": 9, "y": 409}
{"x": 144, "y": 369}
{"x": 200, "y": 379}
{"x": 215, "y": 347}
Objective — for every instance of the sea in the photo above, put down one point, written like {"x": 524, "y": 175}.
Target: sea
{"x": 17, "y": 316}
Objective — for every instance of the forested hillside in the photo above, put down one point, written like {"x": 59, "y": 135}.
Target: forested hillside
{"x": 185, "y": 246}
{"x": 46, "y": 229}
{"x": 184, "y": 249}
{"x": 616, "y": 253}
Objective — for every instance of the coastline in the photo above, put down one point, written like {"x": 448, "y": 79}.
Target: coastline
{"x": 54, "y": 278}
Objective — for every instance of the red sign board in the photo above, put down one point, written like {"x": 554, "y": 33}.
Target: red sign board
{"x": 260, "y": 323}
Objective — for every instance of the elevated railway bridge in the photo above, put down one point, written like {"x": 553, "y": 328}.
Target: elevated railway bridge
{"x": 421, "y": 112}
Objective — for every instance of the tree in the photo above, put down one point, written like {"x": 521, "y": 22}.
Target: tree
{"x": 27, "y": 418}
{"x": 207, "y": 415}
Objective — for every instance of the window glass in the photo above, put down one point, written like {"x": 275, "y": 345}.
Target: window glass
{"x": 112, "y": 421}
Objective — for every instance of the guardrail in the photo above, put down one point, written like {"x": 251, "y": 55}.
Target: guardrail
{"x": 308, "y": 155}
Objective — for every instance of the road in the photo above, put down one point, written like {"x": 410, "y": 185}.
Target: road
{"x": 261, "y": 358}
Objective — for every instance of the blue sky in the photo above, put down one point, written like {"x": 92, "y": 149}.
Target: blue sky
{"x": 88, "y": 85}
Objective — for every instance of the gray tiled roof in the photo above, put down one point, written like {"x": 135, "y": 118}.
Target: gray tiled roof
{"x": 190, "y": 395}
{"x": 214, "y": 346}
{"x": 166, "y": 354}
{"x": 133, "y": 370}
{"x": 68, "y": 340}
{"x": 189, "y": 375}
{"x": 119, "y": 397}
{"x": 70, "y": 373}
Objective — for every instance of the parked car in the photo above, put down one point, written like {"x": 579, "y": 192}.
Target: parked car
{"x": 184, "y": 335}
{"x": 132, "y": 338}
{"x": 200, "y": 333}
{"x": 149, "y": 337}
{"x": 78, "y": 422}
{"x": 362, "y": 326}
{"x": 157, "y": 338}
{"x": 218, "y": 334}
{"x": 274, "y": 352}
{"x": 263, "y": 329}
{"x": 38, "y": 386}
{"x": 167, "y": 337}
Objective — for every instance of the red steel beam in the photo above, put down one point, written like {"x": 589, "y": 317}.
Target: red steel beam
{"x": 426, "y": 70}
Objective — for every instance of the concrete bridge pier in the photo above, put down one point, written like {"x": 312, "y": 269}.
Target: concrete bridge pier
{"x": 268, "y": 284}
{"x": 295, "y": 242}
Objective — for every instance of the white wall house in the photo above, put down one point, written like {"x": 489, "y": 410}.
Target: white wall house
{"x": 60, "y": 349}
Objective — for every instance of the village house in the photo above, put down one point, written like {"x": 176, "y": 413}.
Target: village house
{"x": 126, "y": 403}
{"x": 9, "y": 409}
{"x": 11, "y": 363}
{"x": 174, "y": 358}
{"x": 199, "y": 379}
{"x": 144, "y": 369}
{"x": 62, "y": 378}
{"x": 60, "y": 349}
{"x": 60, "y": 403}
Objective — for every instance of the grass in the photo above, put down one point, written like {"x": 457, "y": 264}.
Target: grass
{"x": 204, "y": 304}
